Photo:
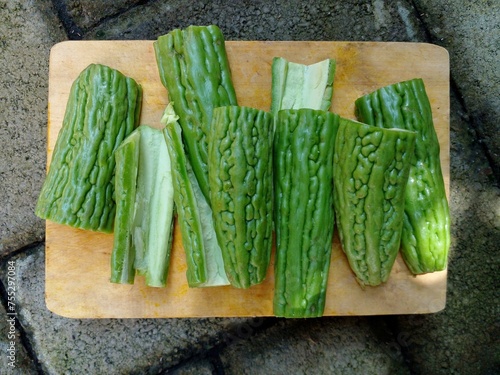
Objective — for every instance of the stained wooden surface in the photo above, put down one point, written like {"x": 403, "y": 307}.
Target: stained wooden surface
{"x": 77, "y": 262}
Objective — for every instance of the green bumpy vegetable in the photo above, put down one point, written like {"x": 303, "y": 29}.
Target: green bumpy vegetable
{"x": 371, "y": 168}
{"x": 145, "y": 209}
{"x": 194, "y": 68}
{"x": 103, "y": 108}
{"x": 304, "y": 217}
{"x": 241, "y": 186}
{"x": 205, "y": 266}
{"x": 426, "y": 229}
{"x": 296, "y": 86}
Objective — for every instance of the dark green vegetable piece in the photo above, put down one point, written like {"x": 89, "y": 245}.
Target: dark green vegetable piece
{"x": 194, "y": 68}
{"x": 241, "y": 185}
{"x": 205, "y": 266}
{"x": 426, "y": 229}
{"x": 103, "y": 108}
{"x": 145, "y": 209}
{"x": 304, "y": 217}
{"x": 371, "y": 167}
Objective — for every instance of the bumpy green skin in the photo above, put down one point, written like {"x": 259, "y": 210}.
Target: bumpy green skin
{"x": 371, "y": 167}
{"x": 103, "y": 108}
{"x": 193, "y": 66}
{"x": 240, "y": 172}
{"x": 304, "y": 217}
{"x": 426, "y": 229}
{"x": 123, "y": 254}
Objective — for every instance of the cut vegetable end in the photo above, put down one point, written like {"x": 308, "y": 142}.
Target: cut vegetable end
{"x": 296, "y": 86}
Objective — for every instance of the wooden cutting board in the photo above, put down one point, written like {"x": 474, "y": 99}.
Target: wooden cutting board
{"x": 77, "y": 262}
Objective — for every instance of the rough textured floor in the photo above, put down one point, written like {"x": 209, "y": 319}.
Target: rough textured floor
{"x": 462, "y": 339}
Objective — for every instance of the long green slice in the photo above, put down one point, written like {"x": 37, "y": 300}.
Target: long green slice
{"x": 426, "y": 228}
{"x": 145, "y": 209}
{"x": 304, "y": 218}
{"x": 205, "y": 266}
{"x": 194, "y": 68}
{"x": 371, "y": 167}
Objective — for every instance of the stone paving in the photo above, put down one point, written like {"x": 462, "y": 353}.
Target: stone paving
{"x": 462, "y": 339}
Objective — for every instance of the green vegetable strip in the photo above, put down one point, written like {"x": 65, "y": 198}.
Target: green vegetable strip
{"x": 370, "y": 178}
{"x": 426, "y": 229}
{"x": 296, "y": 86}
{"x": 193, "y": 66}
{"x": 203, "y": 255}
{"x": 240, "y": 173}
{"x": 144, "y": 218}
{"x": 154, "y": 206}
{"x": 102, "y": 109}
{"x": 304, "y": 218}
{"x": 123, "y": 255}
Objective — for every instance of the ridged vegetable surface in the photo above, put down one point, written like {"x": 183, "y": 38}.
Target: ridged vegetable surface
{"x": 426, "y": 228}
{"x": 371, "y": 167}
{"x": 304, "y": 217}
{"x": 103, "y": 108}
{"x": 240, "y": 172}
{"x": 205, "y": 266}
{"x": 193, "y": 66}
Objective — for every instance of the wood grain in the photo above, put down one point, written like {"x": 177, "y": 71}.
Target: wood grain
{"x": 77, "y": 262}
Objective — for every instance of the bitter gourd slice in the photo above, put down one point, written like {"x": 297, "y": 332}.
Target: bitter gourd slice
{"x": 296, "y": 86}
{"x": 123, "y": 254}
{"x": 304, "y": 217}
{"x": 194, "y": 68}
{"x": 102, "y": 109}
{"x": 145, "y": 212}
{"x": 241, "y": 185}
{"x": 371, "y": 167}
{"x": 426, "y": 229}
{"x": 205, "y": 266}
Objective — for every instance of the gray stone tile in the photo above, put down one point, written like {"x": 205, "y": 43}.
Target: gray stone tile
{"x": 471, "y": 33}
{"x": 277, "y": 20}
{"x": 463, "y": 339}
{"x": 341, "y": 345}
{"x": 14, "y": 358}
{"x": 28, "y": 30}
{"x": 105, "y": 346}
{"x": 87, "y": 13}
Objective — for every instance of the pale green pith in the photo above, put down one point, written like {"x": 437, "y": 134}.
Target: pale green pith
{"x": 196, "y": 204}
{"x": 298, "y": 86}
{"x": 213, "y": 255}
{"x": 310, "y": 81}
